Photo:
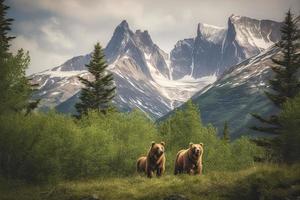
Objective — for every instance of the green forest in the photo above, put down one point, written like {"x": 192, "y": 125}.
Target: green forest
{"x": 92, "y": 155}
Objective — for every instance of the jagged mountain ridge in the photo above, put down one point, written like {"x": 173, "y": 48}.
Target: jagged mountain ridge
{"x": 214, "y": 49}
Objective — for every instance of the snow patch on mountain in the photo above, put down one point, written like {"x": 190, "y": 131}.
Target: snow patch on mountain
{"x": 212, "y": 33}
{"x": 60, "y": 74}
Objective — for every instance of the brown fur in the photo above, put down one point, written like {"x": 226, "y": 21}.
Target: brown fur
{"x": 188, "y": 161}
{"x": 154, "y": 161}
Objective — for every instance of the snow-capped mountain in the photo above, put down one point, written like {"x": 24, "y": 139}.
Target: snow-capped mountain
{"x": 238, "y": 92}
{"x": 152, "y": 80}
{"x": 141, "y": 72}
{"x": 214, "y": 49}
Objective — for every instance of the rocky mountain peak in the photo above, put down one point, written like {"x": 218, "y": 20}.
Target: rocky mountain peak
{"x": 119, "y": 40}
{"x": 124, "y": 24}
{"x": 143, "y": 39}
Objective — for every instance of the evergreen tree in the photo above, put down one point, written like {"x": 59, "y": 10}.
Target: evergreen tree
{"x": 226, "y": 136}
{"x": 97, "y": 93}
{"x": 15, "y": 89}
{"x": 5, "y": 24}
{"x": 285, "y": 84}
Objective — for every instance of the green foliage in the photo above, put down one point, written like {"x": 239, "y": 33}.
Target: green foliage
{"x": 5, "y": 24}
{"x": 45, "y": 147}
{"x": 290, "y": 136}
{"x": 185, "y": 126}
{"x": 97, "y": 93}
{"x": 182, "y": 127}
{"x": 269, "y": 183}
{"x": 36, "y": 147}
{"x": 15, "y": 89}
{"x": 121, "y": 139}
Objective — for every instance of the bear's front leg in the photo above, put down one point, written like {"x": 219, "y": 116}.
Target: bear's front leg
{"x": 158, "y": 172}
{"x": 199, "y": 170}
{"x": 188, "y": 168}
{"x": 176, "y": 170}
{"x": 149, "y": 173}
{"x": 192, "y": 172}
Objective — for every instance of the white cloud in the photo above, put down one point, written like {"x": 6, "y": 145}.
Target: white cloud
{"x": 54, "y": 36}
{"x": 54, "y": 30}
{"x": 40, "y": 59}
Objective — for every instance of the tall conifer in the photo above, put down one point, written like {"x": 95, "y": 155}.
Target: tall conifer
{"x": 98, "y": 92}
{"x": 285, "y": 84}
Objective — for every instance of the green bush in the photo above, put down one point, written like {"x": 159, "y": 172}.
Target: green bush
{"x": 115, "y": 141}
{"x": 42, "y": 147}
{"x": 36, "y": 147}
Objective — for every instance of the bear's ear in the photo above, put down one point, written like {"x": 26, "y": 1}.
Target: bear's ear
{"x": 201, "y": 144}
{"x": 163, "y": 143}
{"x": 191, "y": 144}
{"x": 152, "y": 143}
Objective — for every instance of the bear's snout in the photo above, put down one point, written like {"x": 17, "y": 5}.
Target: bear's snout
{"x": 159, "y": 151}
{"x": 197, "y": 151}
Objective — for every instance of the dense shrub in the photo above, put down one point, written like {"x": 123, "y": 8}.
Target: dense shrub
{"x": 113, "y": 142}
{"x": 40, "y": 147}
{"x": 36, "y": 147}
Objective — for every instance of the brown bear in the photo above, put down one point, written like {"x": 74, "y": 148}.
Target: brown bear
{"x": 189, "y": 160}
{"x": 154, "y": 161}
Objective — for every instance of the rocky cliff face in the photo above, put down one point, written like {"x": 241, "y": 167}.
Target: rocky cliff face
{"x": 214, "y": 49}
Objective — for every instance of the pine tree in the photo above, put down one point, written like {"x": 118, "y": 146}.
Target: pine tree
{"x": 15, "y": 89}
{"x": 5, "y": 24}
{"x": 97, "y": 93}
{"x": 226, "y": 137}
{"x": 285, "y": 84}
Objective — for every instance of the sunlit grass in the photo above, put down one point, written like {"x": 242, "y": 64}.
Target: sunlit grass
{"x": 264, "y": 180}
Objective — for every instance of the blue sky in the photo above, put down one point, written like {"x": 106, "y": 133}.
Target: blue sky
{"x": 56, "y": 30}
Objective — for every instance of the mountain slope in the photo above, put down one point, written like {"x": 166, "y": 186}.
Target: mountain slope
{"x": 238, "y": 92}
